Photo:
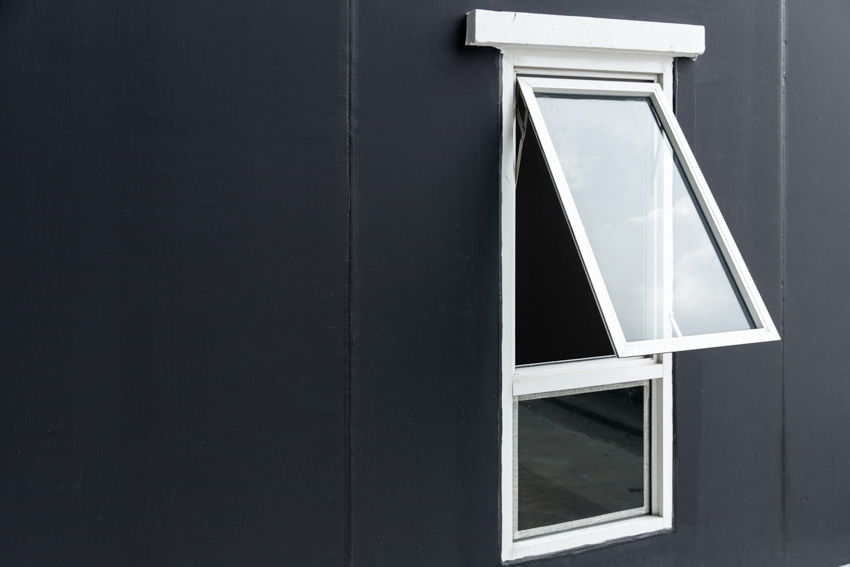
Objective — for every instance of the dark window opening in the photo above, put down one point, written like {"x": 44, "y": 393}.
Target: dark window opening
{"x": 581, "y": 456}
{"x": 557, "y": 317}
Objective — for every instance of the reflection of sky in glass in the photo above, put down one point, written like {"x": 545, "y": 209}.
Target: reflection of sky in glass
{"x": 618, "y": 163}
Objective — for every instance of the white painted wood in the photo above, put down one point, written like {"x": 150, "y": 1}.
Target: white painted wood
{"x": 590, "y": 88}
{"x": 584, "y": 380}
{"x": 536, "y": 383}
{"x": 592, "y": 535}
{"x": 666, "y": 81}
{"x": 507, "y": 30}
{"x": 612, "y": 517}
{"x": 588, "y": 64}
{"x": 664, "y": 440}
{"x": 662, "y": 433}
{"x": 696, "y": 342}
{"x": 583, "y": 365}
{"x": 508, "y": 197}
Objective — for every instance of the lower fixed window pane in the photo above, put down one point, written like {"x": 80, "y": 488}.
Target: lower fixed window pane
{"x": 582, "y": 458}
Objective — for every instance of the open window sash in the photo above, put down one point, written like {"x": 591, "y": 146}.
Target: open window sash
{"x": 664, "y": 269}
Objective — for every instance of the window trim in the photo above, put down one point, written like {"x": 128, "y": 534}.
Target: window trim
{"x": 586, "y": 48}
{"x": 765, "y": 329}
{"x": 644, "y": 510}
{"x": 510, "y": 31}
{"x": 524, "y": 380}
{"x": 577, "y": 376}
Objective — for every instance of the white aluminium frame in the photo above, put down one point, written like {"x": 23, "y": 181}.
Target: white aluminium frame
{"x": 563, "y": 46}
{"x": 764, "y": 331}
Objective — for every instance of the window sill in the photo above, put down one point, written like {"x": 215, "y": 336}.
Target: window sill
{"x": 592, "y": 535}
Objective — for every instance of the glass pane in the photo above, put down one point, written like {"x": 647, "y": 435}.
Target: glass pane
{"x": 556, "y": 313}
{"x": 660, "y": 263}
{"x": 581, "y": 456}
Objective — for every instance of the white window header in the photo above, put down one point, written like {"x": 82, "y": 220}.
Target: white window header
{"x": 517, "y": 30}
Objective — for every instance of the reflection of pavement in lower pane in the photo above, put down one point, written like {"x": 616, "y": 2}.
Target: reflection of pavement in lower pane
{"x": 580, "y": 456}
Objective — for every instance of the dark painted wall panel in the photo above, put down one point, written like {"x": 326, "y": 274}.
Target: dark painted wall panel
{"x": 818, "y": 266}
{"x": 426, "y": 199}
{"x": 173, "y": 249}
{"x": 173, "y": 238}
{"x": 426, "y": 294}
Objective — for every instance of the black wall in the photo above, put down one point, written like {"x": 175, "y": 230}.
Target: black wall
{"x": 817, "y": 205}
{"x": 249, "y": 285}
{"x": 173, "y": 241}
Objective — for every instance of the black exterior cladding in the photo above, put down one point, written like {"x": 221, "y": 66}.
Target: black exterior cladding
{"x": 249, "y": 278}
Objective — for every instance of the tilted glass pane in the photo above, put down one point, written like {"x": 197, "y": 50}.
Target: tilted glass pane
{"x": 659, "y": 261}
{"x": 582, "y": 459}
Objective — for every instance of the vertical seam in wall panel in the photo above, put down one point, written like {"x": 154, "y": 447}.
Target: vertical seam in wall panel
{"x": 348, "y": 555}
{"x": 783, "y": 169}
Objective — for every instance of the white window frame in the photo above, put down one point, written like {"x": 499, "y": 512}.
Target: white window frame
{"x": 537, "y": 45}
{"x": 764, "y": 329}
